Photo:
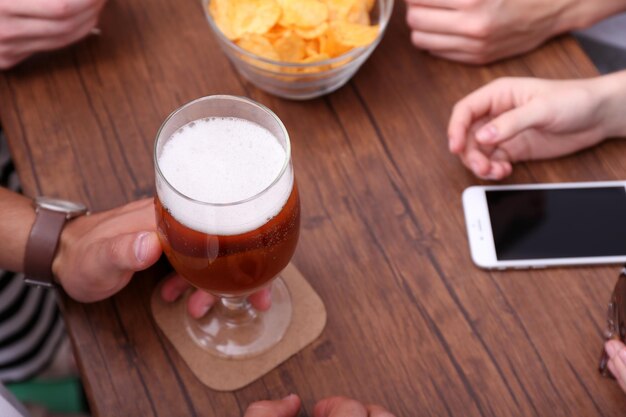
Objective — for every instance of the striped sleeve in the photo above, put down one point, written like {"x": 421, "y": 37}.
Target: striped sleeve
{"x": 31, "y": 327}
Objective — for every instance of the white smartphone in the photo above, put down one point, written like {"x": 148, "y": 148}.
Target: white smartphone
{"x": 540, "y": 225}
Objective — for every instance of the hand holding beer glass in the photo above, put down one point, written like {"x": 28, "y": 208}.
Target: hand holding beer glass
{"x": 228, "y": 216}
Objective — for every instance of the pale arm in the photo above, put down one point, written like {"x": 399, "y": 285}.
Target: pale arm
{"x": 16, "y": 221}
{"x": 586, "y": 13}
{"x": 483, "y": 31}
{"x": 519, "y": 119}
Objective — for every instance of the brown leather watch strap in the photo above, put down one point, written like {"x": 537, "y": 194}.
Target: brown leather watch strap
{"x": 41, "y": 247}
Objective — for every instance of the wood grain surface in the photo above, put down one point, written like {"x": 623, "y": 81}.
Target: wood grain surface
{"x": 413, "y": 325}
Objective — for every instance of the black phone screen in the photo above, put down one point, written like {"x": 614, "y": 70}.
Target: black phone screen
{"x": 558, "y": 223}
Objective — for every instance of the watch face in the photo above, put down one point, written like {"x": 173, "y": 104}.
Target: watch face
{"x": 63, "y": 206}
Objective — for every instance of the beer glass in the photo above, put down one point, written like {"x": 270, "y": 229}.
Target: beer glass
{"x": 229, "y": 248}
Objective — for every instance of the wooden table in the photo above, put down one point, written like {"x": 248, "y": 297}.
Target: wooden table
{"x": 413, "y": 324}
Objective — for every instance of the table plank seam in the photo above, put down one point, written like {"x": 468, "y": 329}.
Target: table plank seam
{"x": 519, "y": 382}
{"x": 470, "y": 323}
{"x": 584, "y": 386}
{"x": 522, "y": 327}
{"x": 459, "y": 370}
{"x": 429, "y": 321}
{"x": 129, "y": 353}
{"x": 377, "y": 129}
{"x": 181, "y": 385}
{"x": 24, "y": 141}
{"x": 102, "y": 132}
{"x": 87, "y": 384}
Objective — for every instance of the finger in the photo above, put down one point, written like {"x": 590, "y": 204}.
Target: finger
{"x": 506, "y": 168}
{"x": 465, "y": 160}
{"x": 53, "y": 9}
{"x": 199, "y": 303}
{"x": 617, "y": 363}
{"x": 478, "y": 163}
{"x": 442, "y": 4}
{"x": 261, "y": 300}
{"x": 7, "y": 62}
{"x": 377, "y": 411}
{"x": 142, "y": 209}
{"x": 618, "y": 369}
{"x": 499, "y": 170}
{"x": 473, "y": 111}
{"x": 465, "y": 57}
{"x": 474, "y": 156}
{"x": 501, "y": 155}
{"x": 436, "y": 20}
{"x": 140, "y": 217}
{"x": 534, "y": 114}
{"x": 30, "y": 28}
{"x": 486, "y": 167}
{"x": 173, "y": 288}
{"x": 287, "y": 407}
{"x": 612, "y": 347}
{"x": 503, "y": 158}
{"x": 458, "y": 127}
{"x": 138, "y": 205}
{"x": 611, "y": 367}
{"x": 144, "y": 206}
{"x": 457, "y": 135}
{"x": 465, "y": 114}
{"x": 339, "y": 407}
{"x": 127, "y": 253}
{"x": 48, "y": 43}
{"x": 444, "y": 42}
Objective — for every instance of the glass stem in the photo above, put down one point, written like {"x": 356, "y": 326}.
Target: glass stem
{"x": 236, "y": 310}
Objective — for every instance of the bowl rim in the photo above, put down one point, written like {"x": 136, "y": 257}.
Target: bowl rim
{"x": 385, "y": 17}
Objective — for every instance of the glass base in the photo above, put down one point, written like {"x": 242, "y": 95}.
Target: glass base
{"x": 235, "y": 330}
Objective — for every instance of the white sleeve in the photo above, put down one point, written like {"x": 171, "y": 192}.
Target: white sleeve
{"x": 9, "y": 406}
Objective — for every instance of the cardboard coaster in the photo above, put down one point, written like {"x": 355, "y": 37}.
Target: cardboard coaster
{"x": 307, "y": 322}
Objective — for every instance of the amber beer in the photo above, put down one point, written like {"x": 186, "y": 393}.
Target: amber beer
{"x": 234, "y": 264}
{"x": 231, "y": 253}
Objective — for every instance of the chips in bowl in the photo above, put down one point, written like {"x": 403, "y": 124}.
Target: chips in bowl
{"x": 296, "y": 31}
{"x": 298, "y": 49}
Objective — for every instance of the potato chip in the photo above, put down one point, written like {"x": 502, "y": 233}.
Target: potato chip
{"x": 235, "y": 18}
{"x": 353, "y": 35}
{"x": 359, "y": 13}
{"x": 312, "y": 47}
{"x": 316, "y": 65}
{"x": 258, "y": 45}
{"x": 331, "y": 46}
{"x": 312, "y": 33}
{"x": 222, "y": 11}
{"x": 296, "y": 31}
{"x": 315, "y": 58}
{"x": 339, "y": 9}
{"x": 253, "y": 16}
{"x": 303, "y": 13}
{"x": 290, "y": 48}
{"x": 276, "y": 33}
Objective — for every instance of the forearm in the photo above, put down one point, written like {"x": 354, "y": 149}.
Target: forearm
{"x": 16, "y": 219}
{"x": 612, "y": 92}
{"x": 580, "y": 14}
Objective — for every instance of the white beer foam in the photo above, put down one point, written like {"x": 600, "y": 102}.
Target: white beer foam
{"x": 223, "y": 160}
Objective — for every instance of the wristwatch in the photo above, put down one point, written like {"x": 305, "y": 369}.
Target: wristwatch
{"x": 52, "y": 214}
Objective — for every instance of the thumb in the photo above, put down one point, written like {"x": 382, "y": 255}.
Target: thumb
{"x": 287, "y": 407}
{"x": 511, "y": 123}
{"x": 339, "y": 407}
{"x": 129, "y": 252}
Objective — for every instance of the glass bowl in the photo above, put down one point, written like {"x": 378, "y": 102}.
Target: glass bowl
{"x": 301, "y": 81}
